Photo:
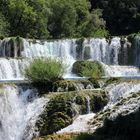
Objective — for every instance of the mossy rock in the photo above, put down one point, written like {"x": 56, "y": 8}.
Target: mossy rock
{"x": 64, "y": 85}
{"x": 64, "y": 136}
{"x": 57, "y": 121}
{"x": 69, "y": 85}
{"x": 94, "y": 82}
{"x": 80, "y": 100}
{"x": 127, "y": 128}
{"x": 63, "y": 107}
{"x": 88, "y": 69}
{"x": 112, "y": 80}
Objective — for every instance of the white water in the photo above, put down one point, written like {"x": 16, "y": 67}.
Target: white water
{"x": 80, "y": 124}
{"x": 12, "y": 69}
{"x": 121, "y": 90}
{"x": 120, "y": 71}
{"x": 88, "y": 105}
{"x": 18, "y": 112}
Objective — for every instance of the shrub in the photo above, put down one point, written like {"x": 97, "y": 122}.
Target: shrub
{"x": 88, "y": 69}
{"x": 44, "y": 70}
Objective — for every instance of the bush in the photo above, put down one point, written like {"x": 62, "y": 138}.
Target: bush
{"x": 88, "y": 68}
{"x": 44, "y": 70}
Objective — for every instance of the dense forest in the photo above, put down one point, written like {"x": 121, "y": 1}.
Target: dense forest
{"x": 48, "y": 19}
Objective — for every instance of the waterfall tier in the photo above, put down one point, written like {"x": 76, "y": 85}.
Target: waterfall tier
{"x": 115, "y": 51}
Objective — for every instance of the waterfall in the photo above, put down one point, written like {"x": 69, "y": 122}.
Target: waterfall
{"x": 88, "y": 105}
{"x": 115, "y": 53}
{"x": 79, "y": 125}
{"x": 12, "y": 69}
{"x": 124, "y": 89}
{"x": 20, "y": 108}
{"x": 120, "y": 71}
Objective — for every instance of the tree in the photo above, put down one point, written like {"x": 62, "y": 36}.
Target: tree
{"x": 26, "y": 18}
{"x": 42, "y": 19}
{"x": 3, "y": 26}
{"x": 122, "y": 16}
{"x": 62, "y": 18}
{"x": 70, "y": 18}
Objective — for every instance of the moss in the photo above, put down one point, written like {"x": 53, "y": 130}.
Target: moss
{"x": 2, "y": 37}
{"x": 79, "y": 100}
{"x": 94, "y": 82}
{"x": 112, "y": 80}
{"x": 63, "y": 107}
{"x": 65, "y": 136}
{"x": 98, "y": 102}
{"x": 87, "y": 53}
{"x": 57, "y": 121}
{"x": 88, "y": 68}
{"x": 122, "y": 128}
{"x": 69, "y": 85}
{"x": 64, "y": 85}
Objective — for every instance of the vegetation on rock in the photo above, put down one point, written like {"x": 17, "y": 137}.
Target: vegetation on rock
{"x": 88, "y": 68}
{"x": 125, "y": 125}
{"x": 44, "y": 70}
{"x": 64, "y": 136}
{"x": 63, "y": 107}
{"x": 72, "y": 85}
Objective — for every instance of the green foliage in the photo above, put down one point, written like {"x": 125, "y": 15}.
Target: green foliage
{"x": 68, "y": 18}
{"x": 50, "y": 19}
{"x": 63, "y": 107}
{"x": 57, "y": 121}
{"x": 26, "y": 18}
{"x": 44, "y": 70}
{"x": 117, "y": 13}
{"x": 3, "y": 26}
{"x": 62, "y": 18}
{"x": 95, "y": 82}
{"x": 94, "y": 26}
{"x": 88, "y": 69}
{"x": 70, "y": 85}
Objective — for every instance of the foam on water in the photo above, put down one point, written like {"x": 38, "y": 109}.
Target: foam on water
{"x": 19, "y": 111}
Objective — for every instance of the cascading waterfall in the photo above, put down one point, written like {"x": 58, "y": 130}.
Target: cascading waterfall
{"x": 115, "y": 92}
{"x": 20, "y": 108}
{"x": 115, "y": 51}
{"x": 124, "y": 89}
{"x": 121, "y": 71}
{"x": 88, "y": 105}
{"x": 12, "y": 68}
